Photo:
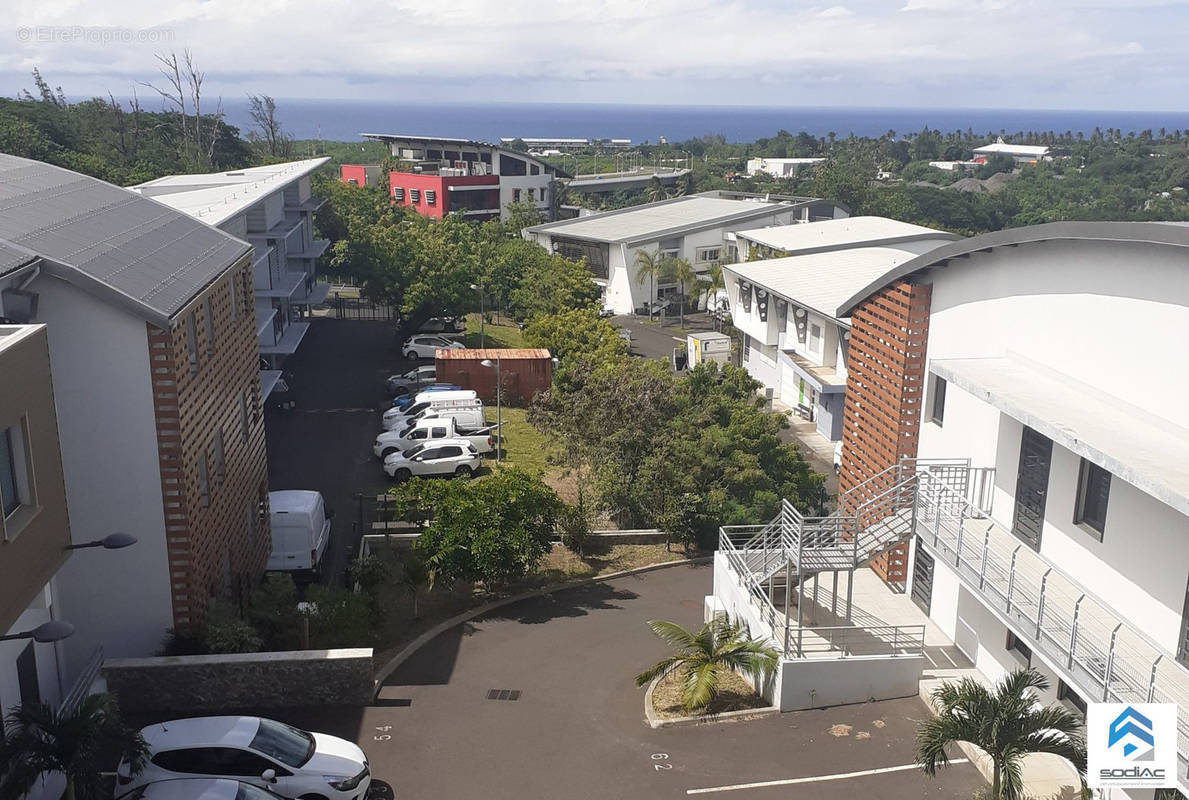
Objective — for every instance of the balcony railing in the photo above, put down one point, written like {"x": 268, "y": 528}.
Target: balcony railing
{"x": 1105, "y": 657}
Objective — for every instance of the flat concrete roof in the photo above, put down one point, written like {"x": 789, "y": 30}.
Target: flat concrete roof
{"x": 822, "y": 281}
{"x": 1145, "y": 451}
{"x": 215, "y": 197}
{"x": 658, "y": 220}
{"x": 834, "y": 234}
{"x": 1175, "y": 234}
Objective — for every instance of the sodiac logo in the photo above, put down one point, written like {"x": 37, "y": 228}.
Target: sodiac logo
{"x": 1132, "y": 746}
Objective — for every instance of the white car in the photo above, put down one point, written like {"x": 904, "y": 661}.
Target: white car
{"x": 456, "y": 457}
{"x": 412, "y": 380}
{"x": 421, "y": 346}
{"x": 197, "y": 789}
{"x": 284, "y": 760}
{"x": 431, "y": 430}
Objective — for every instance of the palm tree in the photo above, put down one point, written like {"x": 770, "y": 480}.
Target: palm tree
{"x": 713, "y": 283}
{"x": 655, "y": 191}
{"x": 77, "y": 743}
{"x": 682, "y": 271}
{"x": 702, "y": 656}
{"x": 1004, "y": 723}
{"x": 650, "y": 264}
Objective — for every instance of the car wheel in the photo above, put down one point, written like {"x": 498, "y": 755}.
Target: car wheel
{"x": 463, "y": 471}
{"x": 402, "y": 475}
{"x": 409, "y": 355}
{"x": 387, "y": 452}
{"x": 312, "y": 797}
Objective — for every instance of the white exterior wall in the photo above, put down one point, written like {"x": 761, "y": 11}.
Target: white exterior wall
{"x": 100, "y": 361}
{"x": 538, "y": 183}
{"x": 1113, "y": 332}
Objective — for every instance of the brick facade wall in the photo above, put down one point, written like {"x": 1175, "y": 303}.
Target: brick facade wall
{"x": 885, "y": 389}
{"x": 206, "y": 397}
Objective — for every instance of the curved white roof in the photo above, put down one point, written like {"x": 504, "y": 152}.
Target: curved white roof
{"x": 835, "y": 234}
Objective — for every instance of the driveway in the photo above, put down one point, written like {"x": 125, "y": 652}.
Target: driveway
{"x": 325, "y": 443}
{"x": 576, "y": 727}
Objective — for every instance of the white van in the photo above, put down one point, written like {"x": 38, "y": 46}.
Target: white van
{"x": 300, "y": 530}
{"x": 430, "y": 401}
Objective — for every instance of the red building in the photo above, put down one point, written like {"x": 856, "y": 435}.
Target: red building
{"x": 522, "y": 372}
{"x": 433, "y": 195}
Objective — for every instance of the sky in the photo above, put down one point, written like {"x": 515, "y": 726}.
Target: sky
{"x": 1062, "y": 54}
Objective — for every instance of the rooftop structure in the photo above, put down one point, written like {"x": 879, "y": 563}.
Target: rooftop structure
{"x": 1020, "y": 152}
{"x": 845, "y": 233}
{"x": 780, "y": 167}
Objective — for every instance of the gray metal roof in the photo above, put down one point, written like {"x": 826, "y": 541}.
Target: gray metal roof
{"x": 13, "y": 257}
{"x": 1175, "y": 234}
{"x": 116, "y": 244}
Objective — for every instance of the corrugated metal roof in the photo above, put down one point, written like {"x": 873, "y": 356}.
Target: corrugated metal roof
{"x": 822, "y": 281}
{"x": 836, "y": 234}
{"x": 493, "y": 353}
{"x": 660, "y": 218}
{"x": 110, "y": 241}
{"x": 214, "y": 197}
{"x": 13, "y": 257}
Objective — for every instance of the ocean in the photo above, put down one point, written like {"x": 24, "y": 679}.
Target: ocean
{"x": 339, "y": 120}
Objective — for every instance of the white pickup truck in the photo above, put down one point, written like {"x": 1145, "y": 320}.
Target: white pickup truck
{"x": 426, "y": 430}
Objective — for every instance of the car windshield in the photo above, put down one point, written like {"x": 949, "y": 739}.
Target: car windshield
{"x": 247, "y": 791}
{"x": 412, "y": 451}
{"x": 284, "y": 743}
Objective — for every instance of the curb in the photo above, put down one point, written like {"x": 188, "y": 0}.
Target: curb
{"x": 466, "y": 616}
{"x": 655, "y": 721}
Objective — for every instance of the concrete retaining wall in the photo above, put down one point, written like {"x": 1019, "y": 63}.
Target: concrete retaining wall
{"x": 813, "y": 683}
{"x": 242, "y": 681}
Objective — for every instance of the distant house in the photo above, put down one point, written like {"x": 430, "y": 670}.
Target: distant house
{"x": 696, "y": 227}
{"x": 794, "y": 334}
{"x": 1022, "y": 153}
{"x": 780, "y": 167}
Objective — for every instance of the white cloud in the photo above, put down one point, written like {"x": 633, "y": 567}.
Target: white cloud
{"x": 836, "y": 12}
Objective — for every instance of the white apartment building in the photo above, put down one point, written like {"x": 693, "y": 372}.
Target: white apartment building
{"x": 780, "y": 167}
{"x": 1047, "y": 503}
{"x": 694, "y": 227}
{"x": 272, "y": 208}
{"x": 794, "y": 334}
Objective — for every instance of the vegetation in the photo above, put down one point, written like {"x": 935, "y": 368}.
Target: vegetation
{"x": 702, "y": 657}
{"x": 39, "y": 739}
{"x": 494, "y": 529}
{"x": 577, "y": 335}
{"x": 1004, "y": 723}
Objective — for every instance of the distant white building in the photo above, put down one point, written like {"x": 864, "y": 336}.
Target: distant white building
{"x": 695, "y": 227}
{"x": 950, "y": 166}
{"x": 795, "y": 337}
{"x": 1022, "y": 153}
{"x": 780, "y": 167}
{"x": 273, "y": 209}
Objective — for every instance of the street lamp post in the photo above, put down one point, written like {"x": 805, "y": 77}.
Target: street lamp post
{"x": 499, "y": 408}
{"x": 113, "y": 541}
{"x": 53, "y": 631}
{"x": 482, "y": 314}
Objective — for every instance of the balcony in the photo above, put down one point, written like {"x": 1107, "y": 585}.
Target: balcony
{"x": 284, "y": 285}
{"x": 287, "y": 344}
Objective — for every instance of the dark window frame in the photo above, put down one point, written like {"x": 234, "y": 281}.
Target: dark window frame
{"x": 1090, "y": 489}
{"x": 1017, "y": 645}
{"x": 937, "y": 401}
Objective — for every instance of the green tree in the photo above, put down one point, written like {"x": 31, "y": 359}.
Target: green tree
{"x": 272, "y": 613}
{"x": 650, "y": 265}
{"x": 579, "y": 334}
{"x": 77, "y": 743}
{"x": 225, "y": 631}
{"x": 655, "y": 191}
{"x": 338, "y": 618}
{"x": 680, "y": 270}
{"x": 1004, "y": 723}
{"x": 705, "y": 655}
{"x": 416, "y": 576}
{"x": 495, "y": 529}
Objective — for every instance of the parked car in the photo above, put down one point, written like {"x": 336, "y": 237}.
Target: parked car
{"x": 300, "y": 530}
{"x": 405, "y": 400}
{"x": 443, "y": 325}
{"x": 430, "y": 429}
{"x": 398, "y": 418}
{"x": 412, "y": 380}
{"x": 272, "y": 755}
{"x": 465, "y": 416}
{"x": 444, "y": 457}
{"x": 197, "y": 789}
{"x": 419, "y": 346}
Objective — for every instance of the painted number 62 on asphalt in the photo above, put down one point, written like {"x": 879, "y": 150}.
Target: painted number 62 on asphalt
{"x": 661, "y": 761}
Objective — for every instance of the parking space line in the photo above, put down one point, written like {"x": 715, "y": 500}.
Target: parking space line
{"x": 813, "y": 779}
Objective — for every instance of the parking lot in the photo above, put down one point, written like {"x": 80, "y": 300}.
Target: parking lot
{"x": 576, "y": 729}
{"x": 325, "y": 443}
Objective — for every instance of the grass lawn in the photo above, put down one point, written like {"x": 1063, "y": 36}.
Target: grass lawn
{"x": 524, "y": 445}
{"x": 506, "y": 334}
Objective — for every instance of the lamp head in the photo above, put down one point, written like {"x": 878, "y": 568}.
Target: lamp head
{"x": 52, "y": 631}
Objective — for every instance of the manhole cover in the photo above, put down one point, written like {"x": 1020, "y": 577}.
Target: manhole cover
{"x": 503, "y": 694}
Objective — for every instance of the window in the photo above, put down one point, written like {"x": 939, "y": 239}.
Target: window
{"x": 1183, "y": 645}
{"x": 414, "y": 195}
{"x": 515, "y": 195}
{"x": 27, "y": 679}
{"x": 192, "y": 342}
{"x": 204, "y": 485}
{"x": 937, "y": 408}
{"x": 219, "y": 465}
{"x": 429, "y": 454}
{"x": 431, "y": 197}
{"x": 398, "y": 194}
{"x": 210, "y": 328}
{"x": 234, "y": 305}
{"x": 353, "y": 181}
{"x": 452, "y": 451}
{"x": 530, "y": 195}
{"x": 438, "y": 433}
{"x": 1070, "y": 696}
{"x": 1014, "y": 644}
{"x": 1094, "y": 490}
{"x": 284, "y": 743}
{"x": 16, "y": 490}
{"x": 709, "y": 255}
{"x": 815, "y": 338}
{"x": 243, "y": 416}
{"x": 10, "y": 500}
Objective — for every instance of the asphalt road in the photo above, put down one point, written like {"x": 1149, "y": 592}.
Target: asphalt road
{"x": 577, "y": 728}
{"x": 325, "y": 443}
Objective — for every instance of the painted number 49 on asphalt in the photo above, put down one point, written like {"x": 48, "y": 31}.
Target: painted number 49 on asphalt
{"x": 660, "y": 762}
